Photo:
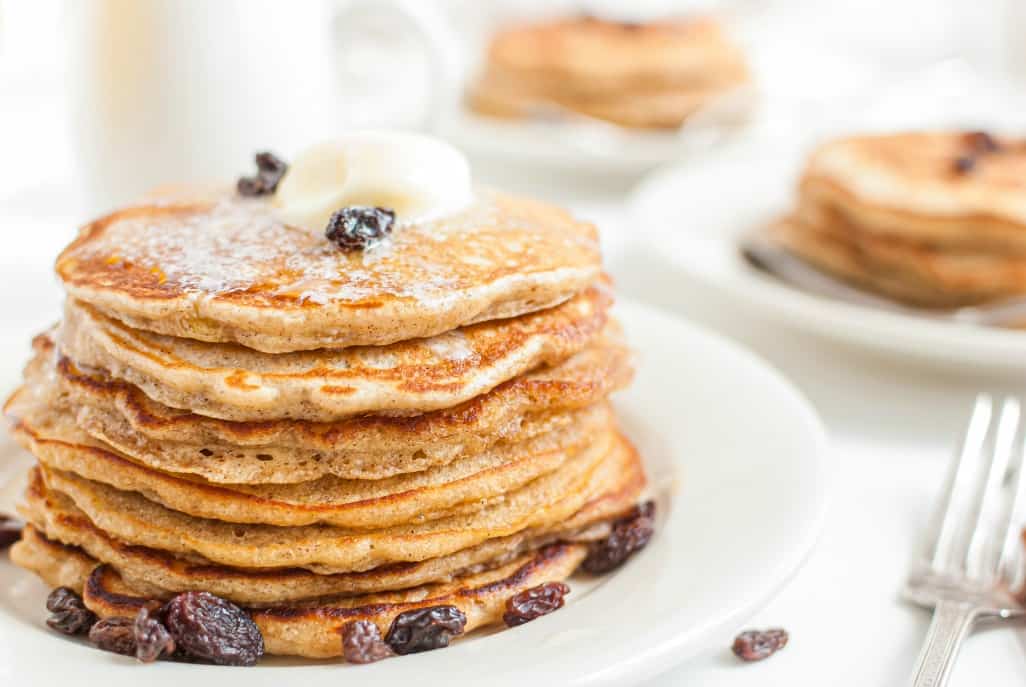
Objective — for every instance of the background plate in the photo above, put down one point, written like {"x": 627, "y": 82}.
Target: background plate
{"x": 737, "y": 463}
{"x": 693, "y": 215}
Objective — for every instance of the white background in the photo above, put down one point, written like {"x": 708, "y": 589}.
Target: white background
{"x": 893, "y": 422}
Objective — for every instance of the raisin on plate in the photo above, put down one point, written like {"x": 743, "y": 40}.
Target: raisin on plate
{"x": 211, "y": 629}
{"x": 534, "y": 603}
{"x": 114, "y": 634}
{"x": 424, "y": 629}
{"x": 67, "y": 612}
{"x": 152, "y": 638}
{"x": 630, "y": 534}
{"x": 362, "y": 643}
{"x": 756, "y": 645}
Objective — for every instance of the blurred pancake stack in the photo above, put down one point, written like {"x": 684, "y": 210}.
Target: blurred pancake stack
{"x": 932, "y": 219}
{"x": 653, "y": 75}
{"x": 323, "y": 429}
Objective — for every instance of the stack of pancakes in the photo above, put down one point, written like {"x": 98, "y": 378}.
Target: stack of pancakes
{"x": 235, "y": 405}
{"x": 931, "y": 219}
{"x": 651, "y": 76}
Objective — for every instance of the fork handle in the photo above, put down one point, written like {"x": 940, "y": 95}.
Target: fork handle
{"x": 951, "y": 622}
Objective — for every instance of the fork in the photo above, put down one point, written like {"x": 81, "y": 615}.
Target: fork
{"x": 971, "y": 566}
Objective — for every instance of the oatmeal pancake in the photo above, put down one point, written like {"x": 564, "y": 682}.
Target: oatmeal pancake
{"x": 908, "y": 186}
{"x": 363, "y": 447}
{"x": 161, "y": 573}
{"x": 230, "y": 382}
{"x": 305, "y": 629}
{"x": 650, "y": 75}
{"x": 462, "y": 486}
{"x": 230, "y": 270}
{"x": 550, "y": 499}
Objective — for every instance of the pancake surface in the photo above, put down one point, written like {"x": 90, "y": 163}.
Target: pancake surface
{"x": 229, "y": 271}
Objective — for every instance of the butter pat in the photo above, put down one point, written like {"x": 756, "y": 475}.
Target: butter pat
{"x": 419, "y": 177}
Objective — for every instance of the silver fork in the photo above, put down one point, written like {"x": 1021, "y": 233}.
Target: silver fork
{"x": 971, "y": 567}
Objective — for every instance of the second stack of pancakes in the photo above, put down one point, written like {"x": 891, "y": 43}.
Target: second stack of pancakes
{"x": 256, "y": 465}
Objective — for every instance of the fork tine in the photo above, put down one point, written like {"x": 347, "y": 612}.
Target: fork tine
{"x": 1011, "y": 550}
{"x": 946, "y": 520}
{"x": 988, "y": 498}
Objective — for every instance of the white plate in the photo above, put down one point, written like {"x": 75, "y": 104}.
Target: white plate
{"x": 693, "y": 216}
{"x": 737, "y": 461}
{"x": 594, "y": 147}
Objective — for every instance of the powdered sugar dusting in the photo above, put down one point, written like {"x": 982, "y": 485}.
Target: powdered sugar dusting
{"x": 240, "y": 245}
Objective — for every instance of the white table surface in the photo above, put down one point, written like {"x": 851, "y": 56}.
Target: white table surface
{"x": 892, "y": 424}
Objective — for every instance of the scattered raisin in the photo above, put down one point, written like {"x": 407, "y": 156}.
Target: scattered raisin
{"x": 534, "y": 603}
{"x": 358, "y": 226}
{"x": 964, "y": 164}
{"x": 68, "y": 614}
{"x": 212, "y": 629}
{"x": 362, "y": 643}
{"x": 756, "y": 645}
{"x": 425, "y": 629}
{"x": 270, "y": 170}
{"x": 10, "y": 530}
{"x": 630, "y": 534}
{"x": 114, "y": 634}
{"x": 152, "y": 639}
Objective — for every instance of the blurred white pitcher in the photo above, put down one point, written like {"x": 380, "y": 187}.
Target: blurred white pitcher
{"x": 186, "y": 90}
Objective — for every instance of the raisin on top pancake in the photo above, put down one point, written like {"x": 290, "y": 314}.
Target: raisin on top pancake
{"x": 228, "y": 269}
{"x": 964, "y": 190}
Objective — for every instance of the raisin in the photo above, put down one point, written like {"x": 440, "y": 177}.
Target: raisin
{"x": 362, "y": 643}
{"x": 358, "y": 226}
{"x": 10, "y": 530}
{"x": 152, "y": 639}
{"x": 212, "y": 629}
{"x": 756, "y": 645}
{"x": 68, "y": 614}
{"x": 982, "y": 142}
{"x": 270, "y": 170}
{"x": 964, "y": 164}
{"x": 114, "y": 634}
{"x": 534, "y": 603}
{"x": 630, "y": 534}
{"x": 425, "y": 629}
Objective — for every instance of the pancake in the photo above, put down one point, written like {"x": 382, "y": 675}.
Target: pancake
{"x": 462, "y": 486}
{"x": 233, "y": 383}
{"x": 161, "y": 573}
{"x": 907, "y": 272}
{"x": 931, "y": 219}
{"x": 549, "y": 500}
{"x": 364, "y": 447}
{"x": 906, "y": 186}
{"x": 651, "y": 75}
{"x": 313, "y": 630}
{"x": 229, "y": 271}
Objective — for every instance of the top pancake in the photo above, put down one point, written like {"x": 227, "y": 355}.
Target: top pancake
{"x": 906, "y": 186}
{"x": 228, "y": 270}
